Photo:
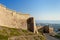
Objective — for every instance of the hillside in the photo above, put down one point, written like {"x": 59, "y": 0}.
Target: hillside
{"x": 18, "y": 34}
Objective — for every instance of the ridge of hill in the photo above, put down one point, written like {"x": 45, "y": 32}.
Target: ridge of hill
{"x": 15, "y": 34}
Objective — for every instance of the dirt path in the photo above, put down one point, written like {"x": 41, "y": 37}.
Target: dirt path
{"x": 48, "y": 37}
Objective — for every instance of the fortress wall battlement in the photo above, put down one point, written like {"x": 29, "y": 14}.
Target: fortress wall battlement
{"x": 12, "y": 19}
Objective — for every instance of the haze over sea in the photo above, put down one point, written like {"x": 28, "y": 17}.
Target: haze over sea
{"x": 49, "y": 21}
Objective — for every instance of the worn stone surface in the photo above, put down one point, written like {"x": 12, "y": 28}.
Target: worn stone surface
{"x": 14, "y": 19}
{"x": 51, "y": 30}
{"x": 31, "y": 25}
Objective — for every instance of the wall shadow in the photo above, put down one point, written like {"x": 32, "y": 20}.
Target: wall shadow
{"x": 30, "y": 24}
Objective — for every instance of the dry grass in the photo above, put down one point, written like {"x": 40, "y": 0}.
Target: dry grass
{"x": 6, "y": 33}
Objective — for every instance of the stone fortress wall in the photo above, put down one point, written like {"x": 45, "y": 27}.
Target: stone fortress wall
{"x": 12, "y": 19}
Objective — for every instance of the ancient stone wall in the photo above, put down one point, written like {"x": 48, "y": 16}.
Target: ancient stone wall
{"x": 12, "y": 19}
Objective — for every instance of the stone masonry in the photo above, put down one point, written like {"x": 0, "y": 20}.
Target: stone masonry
{"x": 14, "y": 19}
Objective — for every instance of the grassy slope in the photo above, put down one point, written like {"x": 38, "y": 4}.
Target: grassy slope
{"x": 5, "y": 33}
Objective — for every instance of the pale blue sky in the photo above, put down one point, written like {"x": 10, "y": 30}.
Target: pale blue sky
{"x": 40, "y": 9}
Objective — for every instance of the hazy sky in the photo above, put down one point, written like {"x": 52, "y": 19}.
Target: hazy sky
{"x": 40, "y": 9}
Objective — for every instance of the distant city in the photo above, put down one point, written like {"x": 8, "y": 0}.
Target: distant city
{"x": 51, "y": 23}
